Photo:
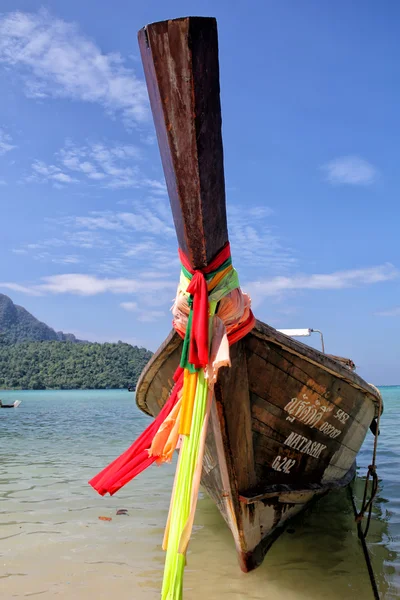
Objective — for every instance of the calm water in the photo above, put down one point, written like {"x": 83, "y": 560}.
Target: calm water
{"x": 52, "y": 542}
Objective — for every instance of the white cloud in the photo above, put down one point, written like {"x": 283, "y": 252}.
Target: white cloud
{"x": 141, "y": 243}
{"x": 144, "y": 247}
{"x": 149, "y": 294}
{"x": 70, "y": 239}
{"x": 85, "y": 239}
{"x": 16, "y": 287}
{"x": 149, "y": 316}
{"x": 145, "y": 315}
{"x": 56, "y": 60}
{"x": 392, "y": 312}
{"x": 112, "y": 166}
{"x": 91, "y": 285}
{"x": 43, "y": 173}
{"x": 146, "y": 217}
{"x": 104, "y": 220}
{"x": 107, "y": 165}
{"x": 157, "y": 187}
{"x": 5, "y": 142}
{"x": 332, "y": 281}
{"x": 260, "y": 212}
{"x": 69, "y": 259}
{"x": 254, "y": 241}
{"x": 111, "y": 266}
{"x": 148, "y": 139}
{"x": 160, "y": 259}
{"x": 130, "y": 306}
{"x": 146, "y": 220}
{"x": 351, "y": 170}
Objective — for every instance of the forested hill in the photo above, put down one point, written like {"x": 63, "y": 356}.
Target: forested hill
{"x": 18, "y": 325}
{"x": 35, "y": 356}
{"x": 65, "y": 365}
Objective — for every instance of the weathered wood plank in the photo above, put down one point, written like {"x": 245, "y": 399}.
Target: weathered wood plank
{"x": 157, "y": 375}
{"x": 269, "y": 334}
{"x": 180, "y": 59}
{"x": 267, "y": 413}
{"x": 218, "y": 482}
{"x": 303, "y": 467}
{"x": 276, "y": 368}
{"x": 291, "y": 493}
{"x": 232, "y": 391}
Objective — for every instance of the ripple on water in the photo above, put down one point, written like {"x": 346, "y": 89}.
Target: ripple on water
{"x": 54, "y": 544}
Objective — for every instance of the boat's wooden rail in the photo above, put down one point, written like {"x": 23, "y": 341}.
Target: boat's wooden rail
{"x": 169, "y": 345}
{"x": 347, "y": 362}
{"x": 269, "y": 335}
{"x": 334, "y": 367}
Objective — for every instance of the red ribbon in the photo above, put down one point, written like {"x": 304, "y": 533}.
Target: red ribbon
{"x": 236, "y": 334}
{"x": 136, "y": 458}
{"x": 198, "y": 348}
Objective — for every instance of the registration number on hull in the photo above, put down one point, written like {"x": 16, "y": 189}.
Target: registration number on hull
{"x": 283, "y": 464}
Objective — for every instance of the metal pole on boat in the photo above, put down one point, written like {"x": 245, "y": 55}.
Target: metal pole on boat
{"x": 303, "y": 333}
{"x": 322, "y": 338}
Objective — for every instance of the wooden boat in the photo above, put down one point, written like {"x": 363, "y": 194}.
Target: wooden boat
{"x": 287, "y": 421}
{"x": 13, "y": 405}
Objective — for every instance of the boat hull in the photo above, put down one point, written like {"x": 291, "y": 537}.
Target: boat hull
{"x": 286, "y": 425}
{"x": 13, "y": 405}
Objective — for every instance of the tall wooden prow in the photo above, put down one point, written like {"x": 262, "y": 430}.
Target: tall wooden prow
{"x": 180, "y": 59}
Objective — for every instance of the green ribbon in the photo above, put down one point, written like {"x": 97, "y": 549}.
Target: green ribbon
{"x": 208, "y": 276}
{"x": 180, "y": 509}
{"x": 184, "y": 363}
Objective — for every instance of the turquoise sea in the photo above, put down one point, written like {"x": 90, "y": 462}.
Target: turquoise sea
{"x": 52, "y": 542}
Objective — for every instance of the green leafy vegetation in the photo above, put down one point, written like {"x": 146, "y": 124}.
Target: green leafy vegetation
{"x": 68, "y": 365}
{"x": 33, "y": 356}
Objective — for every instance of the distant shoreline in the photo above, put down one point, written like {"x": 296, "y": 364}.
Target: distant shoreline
{"x": 120, "y": 389}
{"x": 108, "y": 389}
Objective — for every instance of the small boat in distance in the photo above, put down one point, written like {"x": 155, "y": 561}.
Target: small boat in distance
{"x": 13, "y": 405}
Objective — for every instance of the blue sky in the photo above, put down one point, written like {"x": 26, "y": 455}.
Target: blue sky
{"x": 310, "y": 123}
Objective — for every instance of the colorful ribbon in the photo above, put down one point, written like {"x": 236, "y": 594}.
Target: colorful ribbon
{"x": 136, "y": 458}
{"x": 200, "y": 283}
{"x": 202, "y": 293}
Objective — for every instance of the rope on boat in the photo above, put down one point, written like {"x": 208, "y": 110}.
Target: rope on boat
{"x": 368, "y": 504}
{"x": 367, "y": 557}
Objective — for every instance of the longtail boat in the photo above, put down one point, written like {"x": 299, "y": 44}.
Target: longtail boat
{"x": 285, "y": 421}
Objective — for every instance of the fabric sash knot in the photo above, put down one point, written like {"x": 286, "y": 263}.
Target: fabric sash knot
{"x": 198, "y": 348}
